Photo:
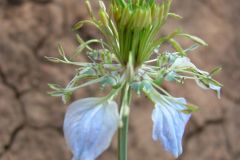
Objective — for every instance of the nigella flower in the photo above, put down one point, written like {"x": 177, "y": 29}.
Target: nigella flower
{"x": 169, "y": 122}
{"x": 124, "y": 63}
{"x": 205, "y": 83}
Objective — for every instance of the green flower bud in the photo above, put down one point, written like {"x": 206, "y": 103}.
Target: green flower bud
{"x": 102, "y": 5}
{"x": 89, "y": 7}
{"x": 110, "y": 11}
{"x": 125, "y": 16}
{"x": 147, "y": 18}
{"x": 198, "y": 40}
{"x": 117, "y": 13}
{"x": 216, "y": 70}
{"x": 161, "y": 12}
{"x": 112, "y": 80}
{"x": 103, "y": 18}
{"x": 61, "y": 50}
{"x": 166, "y": 9}
{"x": 155, "y": 14}
{"x": 174, "y": 15}
{"x": 52, "y": 59}
{"x": 141, "y": 19}
{"x": 55, "y": 87}
{"x": 136, "y": 2}
{"x": 134, "y": 20}
{"x": 78, "y": 26}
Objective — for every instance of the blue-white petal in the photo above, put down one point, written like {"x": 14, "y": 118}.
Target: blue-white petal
{"x": 89, "y": 126}
{"x": 216, "y": 88}
{"x": 169, "y": 125}
{"x": 184, "y": 63}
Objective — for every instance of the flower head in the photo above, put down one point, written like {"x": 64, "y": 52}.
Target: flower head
{"x": 124, "y": 63}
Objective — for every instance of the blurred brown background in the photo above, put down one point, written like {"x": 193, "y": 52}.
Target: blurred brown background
{"x": 31, "y": 121}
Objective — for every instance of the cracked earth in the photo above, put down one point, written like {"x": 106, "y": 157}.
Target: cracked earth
{"x": 31, "y": 121}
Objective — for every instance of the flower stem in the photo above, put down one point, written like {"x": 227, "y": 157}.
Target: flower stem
{"x": 123, "y": 131}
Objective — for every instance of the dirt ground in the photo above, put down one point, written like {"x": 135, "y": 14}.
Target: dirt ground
{"x": 31, "y": 121}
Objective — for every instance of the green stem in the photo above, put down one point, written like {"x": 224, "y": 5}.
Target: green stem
{"x": 123, "y": 132}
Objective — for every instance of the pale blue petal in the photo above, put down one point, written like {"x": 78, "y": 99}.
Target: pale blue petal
{"x": 89, "y": 126}
{"x": 169, "y": 125}
{"x": 184, "y": 63}
{"x": 216, "y": 88}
